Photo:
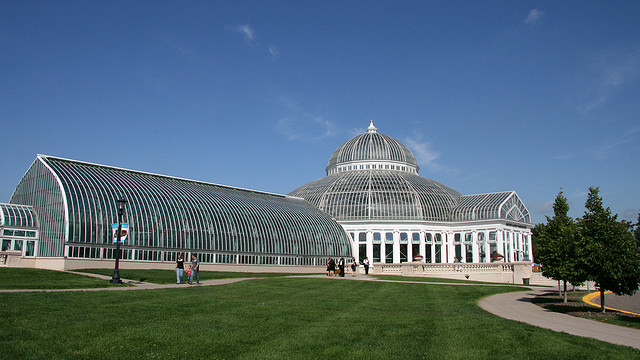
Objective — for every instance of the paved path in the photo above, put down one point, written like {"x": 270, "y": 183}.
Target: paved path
{"x": 517, "y": 306}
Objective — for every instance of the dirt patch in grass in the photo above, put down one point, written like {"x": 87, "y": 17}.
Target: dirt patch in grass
{"x": 576, "y": 307}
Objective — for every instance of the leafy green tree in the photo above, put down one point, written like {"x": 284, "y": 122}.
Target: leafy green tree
{"x": 612, "y": 254}
{"x": 560, "y": 249}
{"x": 535, "y": 235}
{"x": 636, "y": 231}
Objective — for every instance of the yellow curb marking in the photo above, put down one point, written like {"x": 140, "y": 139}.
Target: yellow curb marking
{"x": 587, "y": 299}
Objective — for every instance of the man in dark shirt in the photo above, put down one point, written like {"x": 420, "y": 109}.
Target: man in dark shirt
{"x": 195, "y": 269}
{"x": 341, "y": 266}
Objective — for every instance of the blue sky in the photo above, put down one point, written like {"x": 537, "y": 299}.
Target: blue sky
{"x": 532, "y": 96}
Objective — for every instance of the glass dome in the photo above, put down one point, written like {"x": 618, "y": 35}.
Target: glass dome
{"x": 380, "y": 194}
{"x": 374, "y": 176}
{"x": 372, "y": 148}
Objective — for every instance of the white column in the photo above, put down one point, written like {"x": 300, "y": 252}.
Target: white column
{"x": 474, "y": 246}
{"x": 433, "y": 247}
{"x": 509, "y": 244}
{"x": 370, "y": 246}
{"x": 396, "y": 247}
{"x": 423, "y": 247}
{"x": 409, "y": 246}
{"x": 500, "y": 243}
{"x": 463, "y": 251}
{"x": 487, "y": 248}
{"x": 355, "y": 245}
{"x": 452, "y": 247}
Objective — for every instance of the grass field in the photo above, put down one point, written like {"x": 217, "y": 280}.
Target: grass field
{"x": 169, "y": 276}
{"x": 25, "y": 278}
{"x": 430, "y": 279}
{"x": 280, "y": 318}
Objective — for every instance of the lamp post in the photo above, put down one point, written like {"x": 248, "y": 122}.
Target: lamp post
{"x": 116, "y": 273}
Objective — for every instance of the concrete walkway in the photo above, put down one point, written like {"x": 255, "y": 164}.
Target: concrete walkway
{"x": 518, "y": 306}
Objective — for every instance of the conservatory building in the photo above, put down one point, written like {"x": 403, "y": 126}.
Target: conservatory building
{"x": 393, "y": 215}
{"x": 76, "y": 205}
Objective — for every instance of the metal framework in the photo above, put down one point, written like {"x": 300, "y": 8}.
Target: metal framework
{"x": 501, "y": 205}
{"x": 77, "y": 201}
{"x": 18, "y": 230}
{"x": 392, "y": 214}
{"x": 18, "y": 215}
{"x": 374, "y": 176}
{"x": 380, "y": 194}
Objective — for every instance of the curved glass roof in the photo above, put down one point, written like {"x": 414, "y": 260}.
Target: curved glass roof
{"x": 374, "y": 176}
{"x": 380, "y": 194}
{"x": 501, "y": 205}
{"x": 18, "y": 215}
{"x": 77, "y": 201}
{"x": 372, "y": 147}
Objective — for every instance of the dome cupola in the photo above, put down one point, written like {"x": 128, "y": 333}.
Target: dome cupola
{"x": 374, "y": 176}
{"x": 372, "y": 150}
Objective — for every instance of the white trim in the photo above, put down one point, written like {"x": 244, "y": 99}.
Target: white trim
{"x": 164, "y": 176}
{"x": 64, "y": 195}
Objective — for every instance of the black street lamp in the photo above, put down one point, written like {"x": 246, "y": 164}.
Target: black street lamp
{"x": 116, "y": 273}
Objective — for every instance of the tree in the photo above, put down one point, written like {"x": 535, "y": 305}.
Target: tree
{"x": 612, "y": 254}
{"x": 535, "y": 235}
{"x": 636, "y": 231}
{"x": 560, "y": 247}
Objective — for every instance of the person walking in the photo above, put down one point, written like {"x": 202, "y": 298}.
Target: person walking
{"x": 332, "y": 267}
{"x": 179, "y": 269}
{"x": 195, "y": 269}
{"x": 354, "y": 268}
{"x": 365, "y": 262}
{"x": 341, "y": 266}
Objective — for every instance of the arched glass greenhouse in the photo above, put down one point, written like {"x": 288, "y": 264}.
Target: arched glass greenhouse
{"x": 76, "y": 204}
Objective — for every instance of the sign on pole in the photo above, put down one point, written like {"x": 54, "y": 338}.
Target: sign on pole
{"x": 124, "y": 230}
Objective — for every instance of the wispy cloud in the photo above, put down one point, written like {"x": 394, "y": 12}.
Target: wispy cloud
{"x": 565, "y": 157}
{"x": 631, "y": 215}
{"x": 534, "y": 16}
{"x": 302, "y": 124}
{"x": 628, "y": 136}
{"x": 300, "y": 128}
{"x": 249, "y": 35}
{"x": 246, "y": 31}
{"x": 274, "y": 52}
{"x": 609, "y": 74}
{"x": 424, "y": 153}
{"x": 545, "y": 208}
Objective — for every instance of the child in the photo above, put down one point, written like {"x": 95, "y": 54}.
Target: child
{"x": 189, "y": 274}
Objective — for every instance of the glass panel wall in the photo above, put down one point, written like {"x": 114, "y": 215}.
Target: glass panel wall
{"x": 171, "y": 214}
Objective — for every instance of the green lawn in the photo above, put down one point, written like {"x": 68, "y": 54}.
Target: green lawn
{"x": 430, "y": 279}
{"x": 169, "y": 276}
{"x": 25, "y": 278}
{"x": 280, "y": 318}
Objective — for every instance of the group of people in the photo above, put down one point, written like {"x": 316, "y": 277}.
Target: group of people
{"x": 334, "y": 269}
{"x": 194, "y": 269}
